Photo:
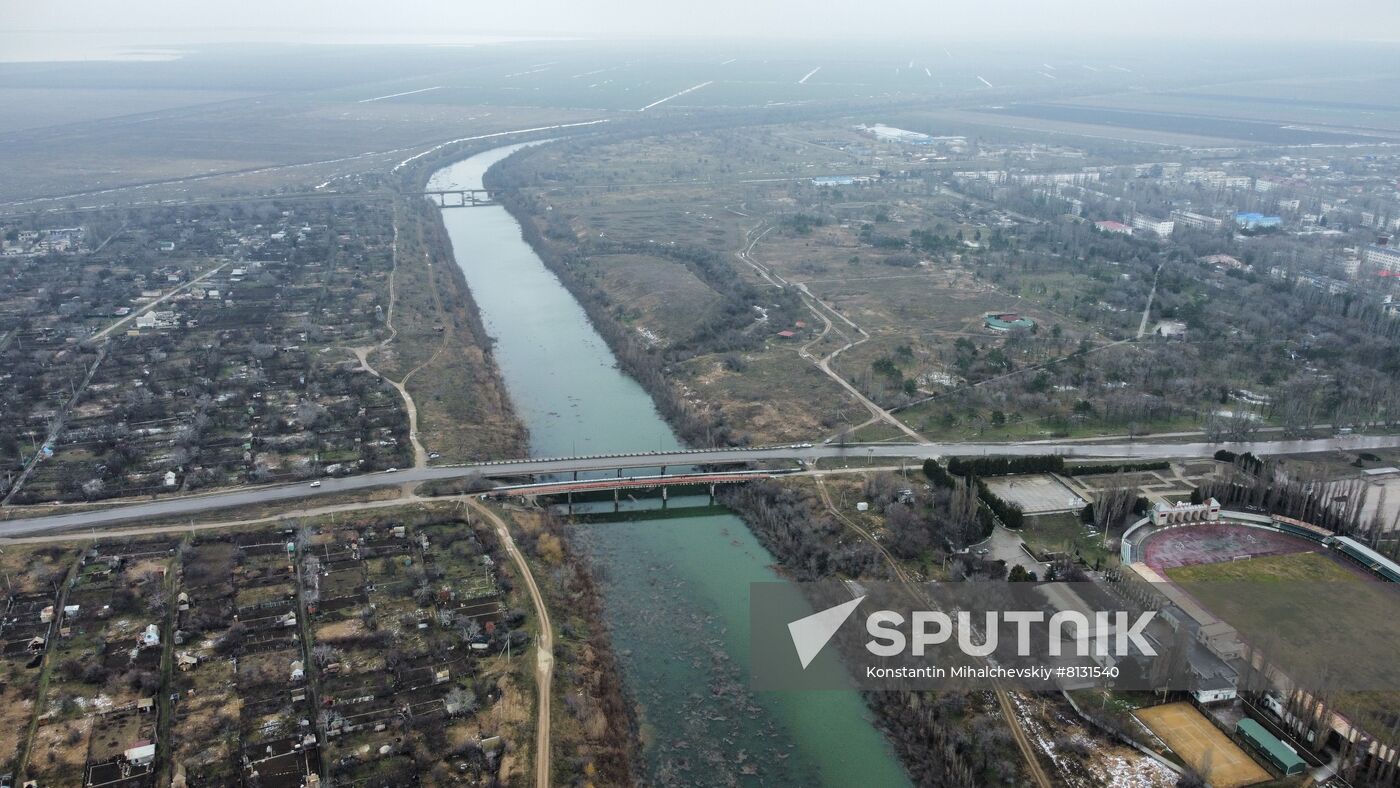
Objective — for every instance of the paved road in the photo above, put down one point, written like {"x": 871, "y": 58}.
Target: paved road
{"x": 805, "y": 453}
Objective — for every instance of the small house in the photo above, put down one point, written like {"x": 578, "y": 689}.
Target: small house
{"x": 150, "y": 638}
{"x": 143, "y": 753}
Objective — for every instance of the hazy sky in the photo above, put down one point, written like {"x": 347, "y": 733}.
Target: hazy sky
{"x": 183, "y": 21}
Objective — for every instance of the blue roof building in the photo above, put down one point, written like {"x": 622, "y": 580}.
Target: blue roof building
{"x": 1256, "y": 221}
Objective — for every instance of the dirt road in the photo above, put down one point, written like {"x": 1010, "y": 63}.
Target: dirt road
{"x": 544, "y": 646}
{"x": 1008, "y": 710}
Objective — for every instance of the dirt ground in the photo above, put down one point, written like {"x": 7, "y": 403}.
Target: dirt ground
{"x": 1202, "y": 745}
{"x": 1214, "y": 543}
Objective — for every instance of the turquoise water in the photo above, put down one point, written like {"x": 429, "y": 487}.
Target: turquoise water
{"x": 676, "y": 589}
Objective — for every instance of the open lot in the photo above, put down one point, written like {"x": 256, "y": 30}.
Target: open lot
{"x": 1203, "y": 746}
{"x": 1036, "y": 493}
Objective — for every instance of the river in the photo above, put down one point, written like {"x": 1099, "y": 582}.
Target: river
{"x": 675, "y": 589}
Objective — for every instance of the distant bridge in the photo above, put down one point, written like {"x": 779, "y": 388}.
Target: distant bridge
{"x": 460, "y": 198}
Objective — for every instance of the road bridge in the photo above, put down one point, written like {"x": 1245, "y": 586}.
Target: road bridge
{"x": 805, "y": 454}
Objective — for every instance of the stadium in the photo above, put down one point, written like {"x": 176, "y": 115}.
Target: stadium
{"x": 1177, "y": 547}
{"x": 1187, "y": 535}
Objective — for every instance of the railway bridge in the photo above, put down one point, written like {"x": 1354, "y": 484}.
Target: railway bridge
{"x": 617, "y": 484}
{"x": 460, "y": 198}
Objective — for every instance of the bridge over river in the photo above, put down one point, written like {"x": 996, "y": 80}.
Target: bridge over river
{"x": 460, "y": 198}
{"x": 793, "y": 455}
{"x": 618, "y": 483}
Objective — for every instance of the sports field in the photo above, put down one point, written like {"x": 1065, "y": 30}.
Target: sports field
{"x": 1202, "y": 745}
{"x": 1305, "y": 567}
{"x": 1215, "y": 542}
{"x": 1306, "y": 608}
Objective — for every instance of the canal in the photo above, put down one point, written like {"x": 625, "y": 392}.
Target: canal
{"x": 675, "y": 589}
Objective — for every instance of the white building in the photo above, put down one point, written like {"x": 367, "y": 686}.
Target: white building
{"x": 1198, "y": 220}
{"x": 141, "y": 755}
{"x": 1160, "y": 228}
{"x": 1213, "y": 689}
{"x": 1182, "y": 512}
{"x": 1171, "y": 329}
{"x": 1384, "y": 258}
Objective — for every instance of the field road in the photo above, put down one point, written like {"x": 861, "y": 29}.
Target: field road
{"x": 823, "y": 312}
{"x": 806, "y": 454}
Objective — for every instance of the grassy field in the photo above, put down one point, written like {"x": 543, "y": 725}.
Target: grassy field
{"x": 777, "y": 397}
{"x": 1304, "y": 609}
{"x": 1064, "y": 533}
{"x": 1301, "y": 567}
{"x": 463, "y": 412}
{"x": 724, "y": 188}
{"x": 661, "y": 299}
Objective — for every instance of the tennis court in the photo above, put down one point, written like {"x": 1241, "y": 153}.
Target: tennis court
{"x": 1202, "y": 745}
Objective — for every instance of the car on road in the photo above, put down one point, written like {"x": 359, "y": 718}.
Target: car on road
{"x": 391, "y": 470}
{"x": 315, "y": 484}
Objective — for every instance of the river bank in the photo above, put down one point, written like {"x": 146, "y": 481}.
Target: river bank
{"x": 675, "y": 590}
